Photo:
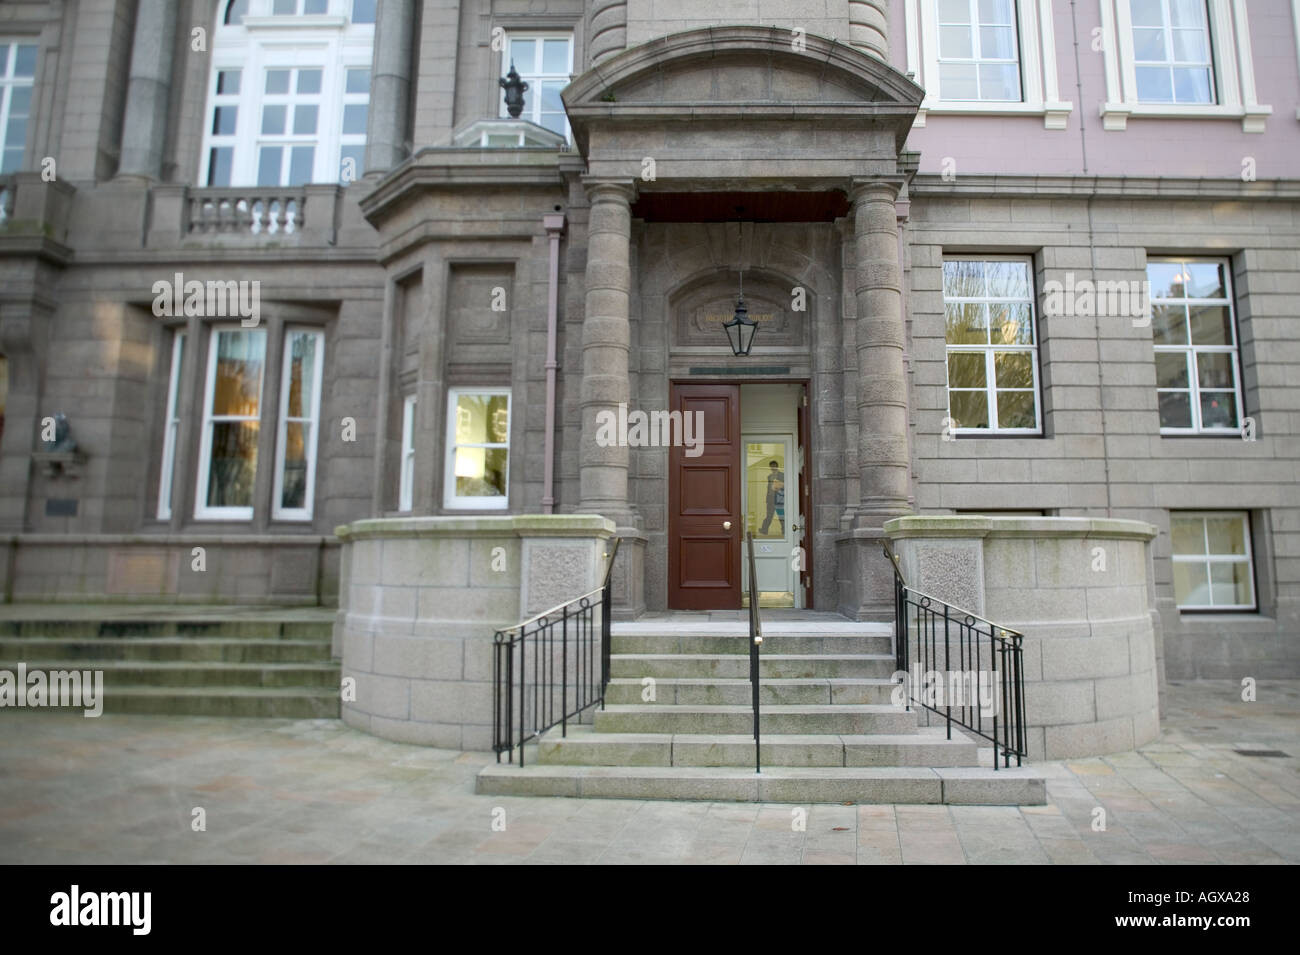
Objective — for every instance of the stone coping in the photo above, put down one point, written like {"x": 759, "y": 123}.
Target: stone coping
{"x": 979, "y": 526}
{"x": 170, "y": 539}
{"x": 504, "y": 525}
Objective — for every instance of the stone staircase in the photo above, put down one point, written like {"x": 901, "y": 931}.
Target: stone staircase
{"x": 180, "y": 662}
{"x": 830, "y": 732}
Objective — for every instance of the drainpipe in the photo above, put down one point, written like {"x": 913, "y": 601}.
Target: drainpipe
{"x": 553, "y": 222}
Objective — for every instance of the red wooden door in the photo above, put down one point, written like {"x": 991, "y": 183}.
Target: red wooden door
{"x": 705, "y": 524}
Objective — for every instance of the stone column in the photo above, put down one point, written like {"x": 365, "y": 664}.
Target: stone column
{"x": 606, "y": 335}
{"x": 606, "y": 30}
{"x": 865, "y": 578}
{"x": 606, "y": 340}
{"x": 883, "y": 462}
{"x": 390, "y": 86}
{"x": 869, "y": 27}
{"x": 144, "y": 126}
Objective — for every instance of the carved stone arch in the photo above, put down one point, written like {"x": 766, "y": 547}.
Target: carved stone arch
{"x": 700, "y": 304}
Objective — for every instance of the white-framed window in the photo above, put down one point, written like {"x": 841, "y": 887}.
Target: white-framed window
{"x": 1213, "y": 563}
{"x": 985, "y": 57}
{"x": 992, "y": 348}
{"x": 1195, "y": 335}
{"x": 406, "y": 480}
{"x": 232, "y": 409}
{"x": 288, "y": 93}
{"x": 171, "y": 427}
{"x": 478, "y": 448}
{"x": 1179, "y": 58}
{"x": 545, "y": 62}
{"x": 295, "y": 454}
{"x": 979, "y": 52}
{"x": 1171, "y": 51}
{"x": 17, "y": 83}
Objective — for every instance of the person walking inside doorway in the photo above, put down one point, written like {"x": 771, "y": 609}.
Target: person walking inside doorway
{"x": 775, "y": 498}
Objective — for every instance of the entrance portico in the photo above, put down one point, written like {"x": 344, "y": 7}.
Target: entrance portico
{"x": 803, "y": 203}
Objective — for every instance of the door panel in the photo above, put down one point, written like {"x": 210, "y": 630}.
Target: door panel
{"x": 804, "y": 538}
{"x": 703, "y": 493}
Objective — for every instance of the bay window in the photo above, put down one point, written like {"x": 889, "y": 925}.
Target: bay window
{"x": 232, "y": 409}
{"x": 478, "y": 448}
{"x": 295, "y": 457}
{"x": 17, "y": 78}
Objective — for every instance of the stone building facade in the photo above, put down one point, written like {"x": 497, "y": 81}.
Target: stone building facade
{"x": 1026, "y": 259}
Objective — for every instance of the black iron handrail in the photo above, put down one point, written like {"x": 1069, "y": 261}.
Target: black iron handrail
{"x": 524, "y": 702}
{"x": 980, "y": 643}
{"x": 755, "y": 641}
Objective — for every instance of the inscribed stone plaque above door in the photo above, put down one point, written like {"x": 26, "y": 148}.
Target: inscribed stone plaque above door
{"x": 699, "y": 312}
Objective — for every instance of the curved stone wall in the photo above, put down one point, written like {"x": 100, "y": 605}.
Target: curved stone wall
{"x": 1080, "y": 591}
{"x": 420, "y": 599}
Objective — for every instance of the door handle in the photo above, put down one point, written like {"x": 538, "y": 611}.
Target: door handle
{"x": 726, "y": 525}
{"x": 794, "y": 527}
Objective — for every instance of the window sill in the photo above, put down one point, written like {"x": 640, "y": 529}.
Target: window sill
{"x": 297, "y": 22}
{"x": 1055, "y": 115}
{"x": 1114, "y": 116}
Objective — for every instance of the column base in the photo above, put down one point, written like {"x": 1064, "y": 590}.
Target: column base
{"x": 866, "y": 580}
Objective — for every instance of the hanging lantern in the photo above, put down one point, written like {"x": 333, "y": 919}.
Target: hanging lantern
{"x": 515, "y": 89}
{"x": 740, "y": 330}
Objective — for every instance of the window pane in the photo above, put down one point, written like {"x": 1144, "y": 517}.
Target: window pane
{"x": 1189, "y": 46}
{"x": 302, "y": 375}
{"x": 997, "y": 43}
{"x": 1007, "y": 279}
{"x": 1204, "y": 279}
{"x": 20, "y": 101}
{"x": 969, "y": 409}
{"x": 1211, "y": 325}
{"x": 1169, "y": 324}
{"x": 16, "y": 133}
{"x": 1188, "y": 535}
{"x": 363, "y": 11}
{"x": 1146, "y": 13}
{"x": 1231, "y": 583}
{"x": 1227, "y": 535}
{"x": 273, "y": 120}
{"x": 963, "y": 278}
{"x": 1167, "y": 279}
{"x": 309, "y": 81}
{"x": 284, "y": 7}
{"x": 219, "y": 160}
{"x": 277, "y": 81}
{"x": 481, "y": 419}
{"x": 25, "y": 60}
{"x": 524, "y": 55}
{"x": 967, "y": 324}
{"x": 954, "y": 11}
{"x": 995, "y": 11}
{"x": 1175, "y": 409}
{"x": 316, "y": 6}
{"x": 228, "y": 82}
{"x": 236, "y": 12}
{"x": 300, "y": 165}
{"x": 1149, "y": 45}
{"x": 1191, "y": 585}
{"x": 1009, "y": 324}
{"x": 1215, "y": 370}
{"x": 1191, "y": 85}
{"x": 223, "y": 120}
{"x": 1013, "y": 370}
{"x": 304, "y": 119}
{"x": 1016, "y": 409}
{"x": 1000, "y": 82}
{"x": 958, "y": 81}
{"x": 12, "y": 160}
{"x": 480, "y": 472}
{"x": 1187, "y": 13}
{"x": 1218, "y": 409}
{"x": 354, "y": 119}
{"x": 237, "y": 388}
{"x": 352, "y": 163}
{"x": 551, "y": 101}
{"x": 1154, "y": 84}
{"x": 233, "y": 464}
{"x": 293, "y": 488}
{"x": 268, "y": 166}
{"x": 358, "y": 81}
{"x": 955, "y": 42}
{"x": 555, "y": 56}
{"x": 966, "y": 370}
{"x": 1171, "y": 369}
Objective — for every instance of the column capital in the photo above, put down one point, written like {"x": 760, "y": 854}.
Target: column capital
{"x": 877, "y": 188}
{"x": 610, "y": 190}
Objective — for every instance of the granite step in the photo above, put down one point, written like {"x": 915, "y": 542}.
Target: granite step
{"x": 162, "y": 649}
{"x": 772, "y": 666}
{"x": 796, "y": 719}
{"x": 720, "y": 691}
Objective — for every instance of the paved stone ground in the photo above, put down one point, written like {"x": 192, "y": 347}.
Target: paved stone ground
{"x": 121, "y": 789}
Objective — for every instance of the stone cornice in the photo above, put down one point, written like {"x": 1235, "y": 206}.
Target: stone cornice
{"x": 928, "y": 185}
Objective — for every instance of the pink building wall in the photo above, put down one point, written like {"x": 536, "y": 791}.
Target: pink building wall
{"x": 1150, "y": 146}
